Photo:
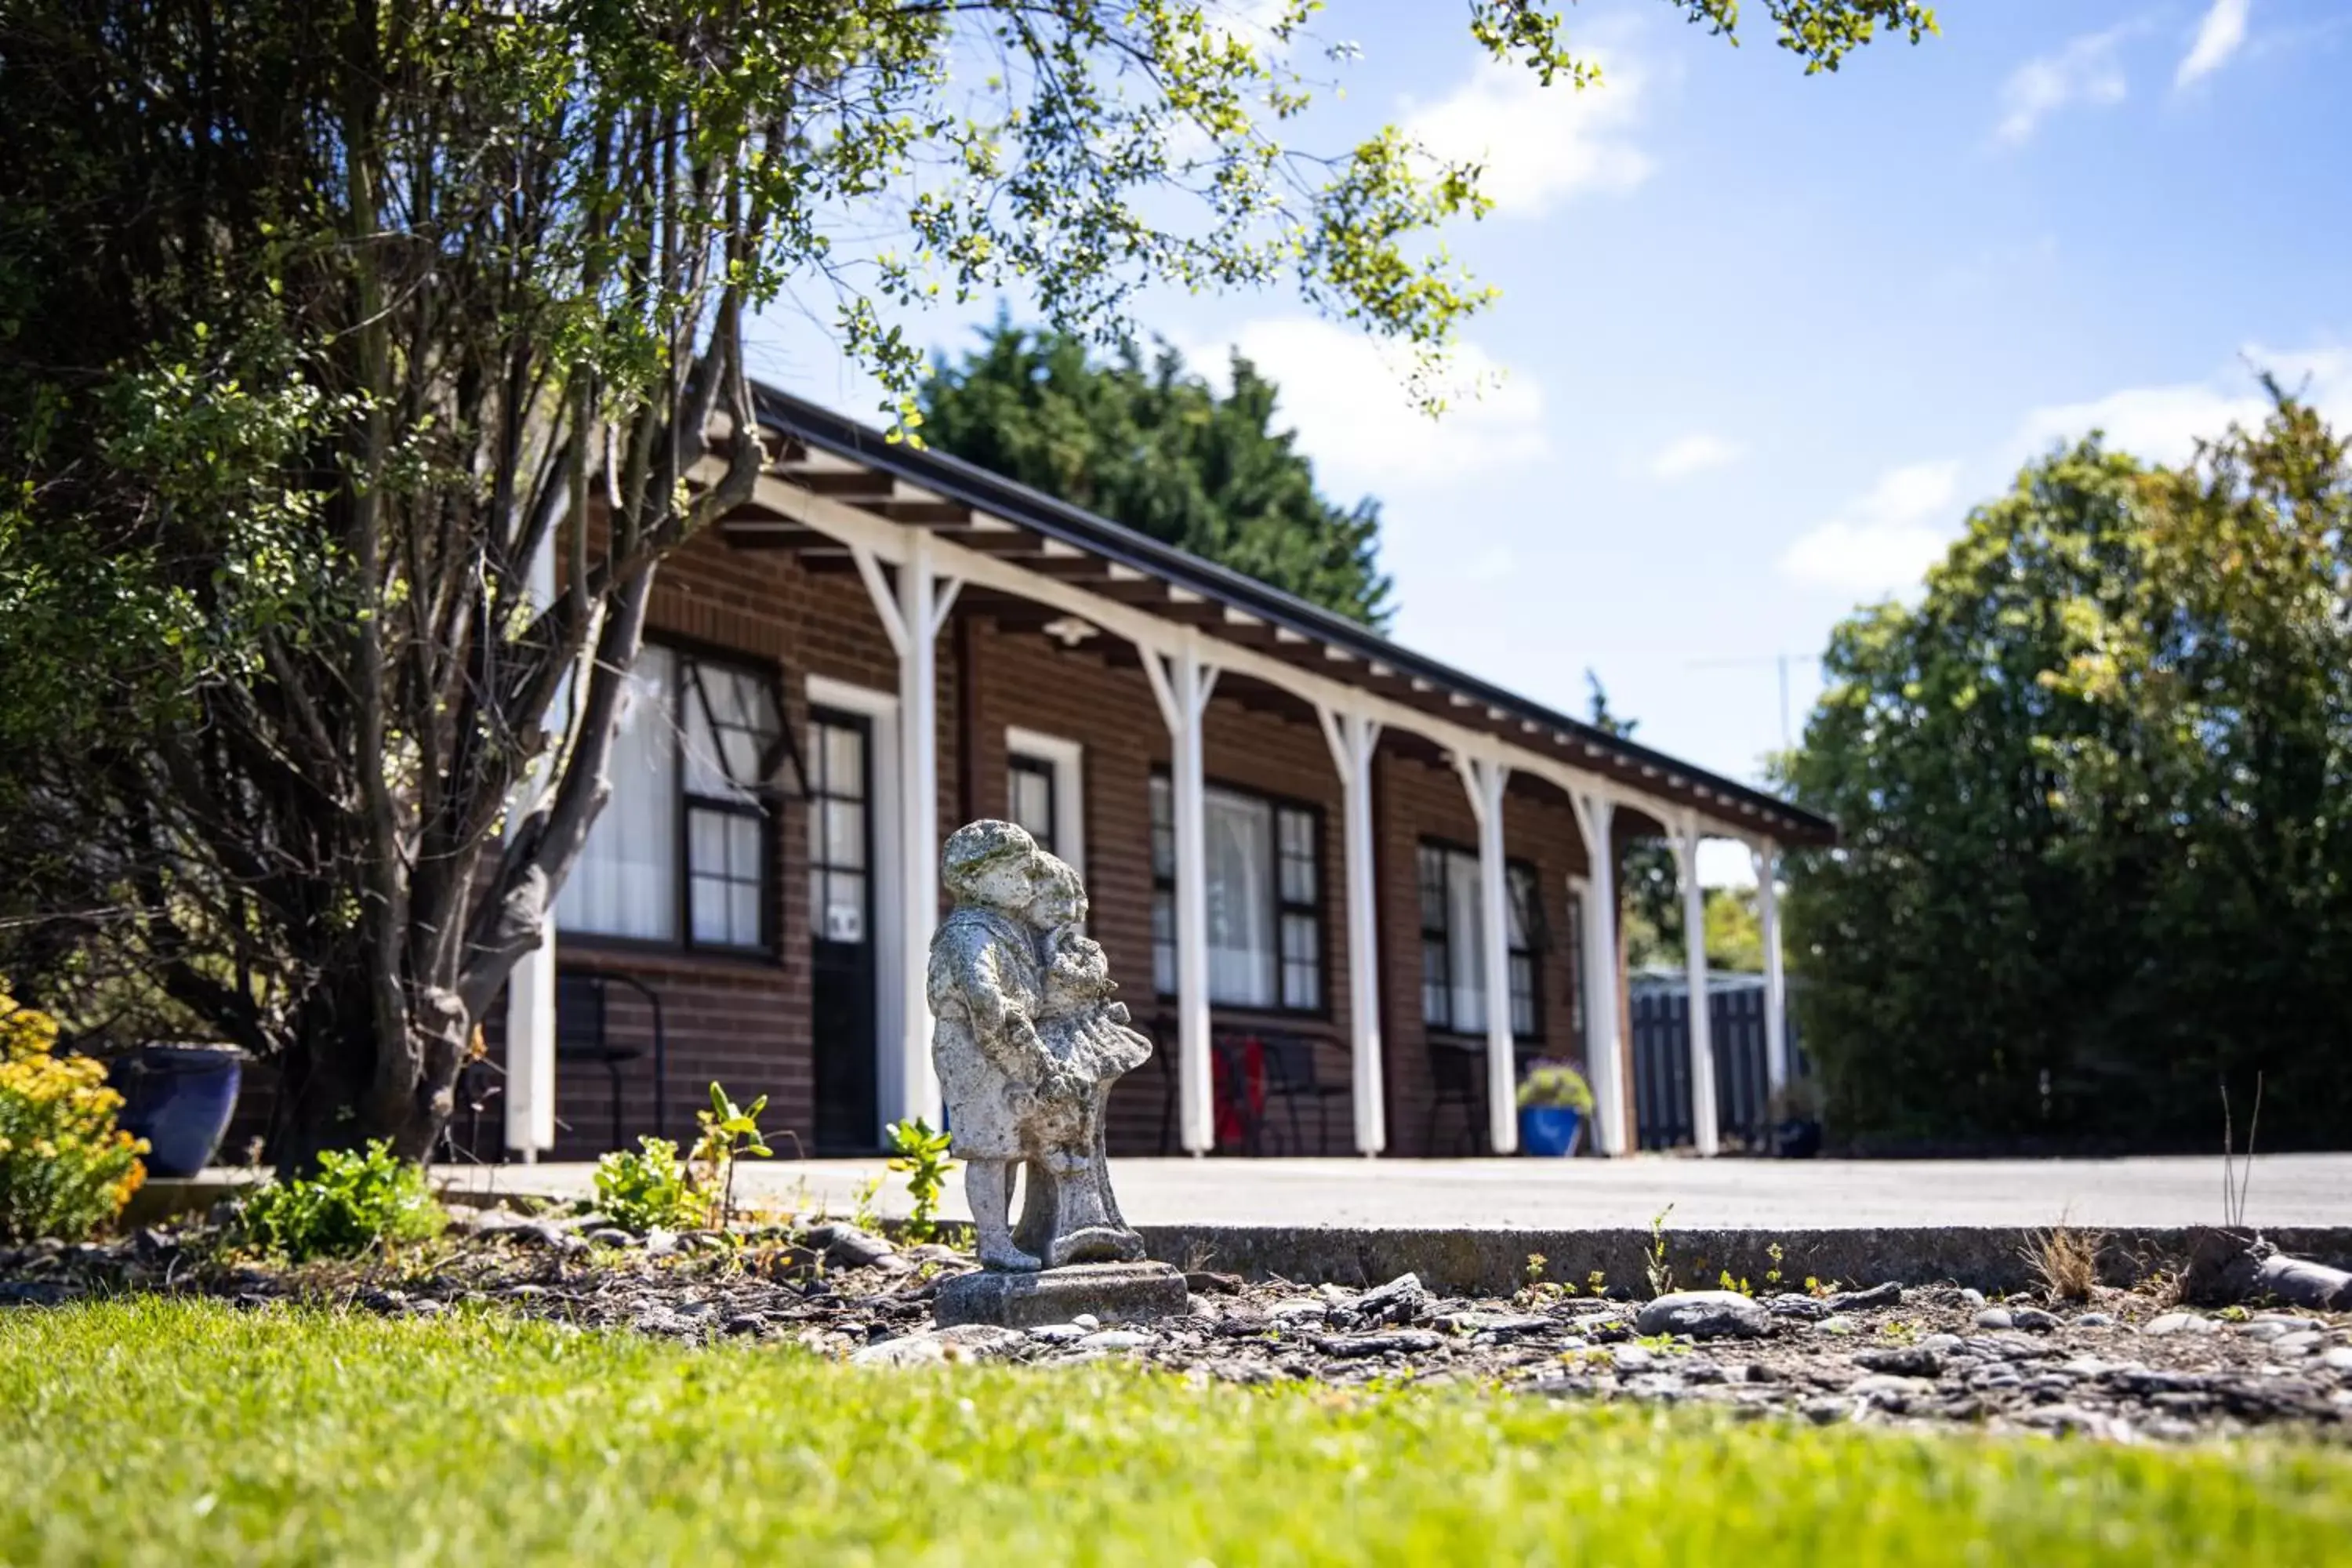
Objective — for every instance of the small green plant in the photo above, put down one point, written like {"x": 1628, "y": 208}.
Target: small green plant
{"x": 1664, "y": 1344}
{"x": 1772, "y": 1274}
{"x": 861, "y": 1201}
{"x": 921, "y": 1156}
{"x": 729, "y": 1132}
{"x": 1596, "y": 1283}
{"x": 1725, "y": 1282}
{"x": 1653, "y": 1262}
{"x": 2233, "y": 1314}
{"x": 1535, "y": 1270}
{"x": 1902, "y": 1330}
{"x": 1555, "y": 1086}
{"x": 65, "y": 1168}
{"x": 648, "y": 1187}
{"x": 357, "y": 1201}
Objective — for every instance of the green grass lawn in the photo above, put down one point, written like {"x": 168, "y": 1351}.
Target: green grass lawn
{"x": 172, "y": 1433}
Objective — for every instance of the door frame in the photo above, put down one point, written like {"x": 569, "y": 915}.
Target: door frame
{"x": 880, "y": 710}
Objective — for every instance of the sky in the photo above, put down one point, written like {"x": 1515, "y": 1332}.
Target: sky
{"x": 1764, "y": 339}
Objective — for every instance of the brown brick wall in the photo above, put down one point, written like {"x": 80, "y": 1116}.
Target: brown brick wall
{"x": 745, "y": 1021}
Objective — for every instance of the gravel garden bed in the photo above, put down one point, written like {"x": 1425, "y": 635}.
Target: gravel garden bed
{"x": 2127, "y": 1365}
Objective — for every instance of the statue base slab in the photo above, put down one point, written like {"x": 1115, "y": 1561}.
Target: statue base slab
{"x": 1113, "y": 1292}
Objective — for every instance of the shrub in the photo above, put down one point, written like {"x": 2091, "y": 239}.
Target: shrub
{"x": 357, "y": 1199}
{"x": 921, "y": 1156}
{"x": 65, "y": 1168}
{"x": 646, "y": 1187}
{"x": 1555, "y": 1086}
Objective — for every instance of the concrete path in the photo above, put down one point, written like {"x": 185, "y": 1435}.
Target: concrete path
{"x": 2285, "y": 1190}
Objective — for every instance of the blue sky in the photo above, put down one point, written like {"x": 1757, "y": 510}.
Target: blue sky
{"x": 1764, "y": 338}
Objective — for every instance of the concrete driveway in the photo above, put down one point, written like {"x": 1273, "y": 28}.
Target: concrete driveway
{"x": 2285, "y": 1190}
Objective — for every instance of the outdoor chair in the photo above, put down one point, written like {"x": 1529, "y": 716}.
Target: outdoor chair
{"x": 1457, "y": 1077}
{"x": 1291, "y": 1076}
{"x": 582, "y": 1033}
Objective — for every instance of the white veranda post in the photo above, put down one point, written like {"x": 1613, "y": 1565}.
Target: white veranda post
{"x": 1353, "y": 739}
{"x": 1776, "y": 980}
{"x": 1705, "y": 1130}
{"x": 1485, "y": 778}
{"x": 911, "y": 617}
{"x": 531, "y": 989}
{"x": 1597, "y": 967}
{"x": 1181, "y": 682}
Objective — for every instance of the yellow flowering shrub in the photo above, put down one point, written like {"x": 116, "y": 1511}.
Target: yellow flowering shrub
{"x": 65, "y": 1168}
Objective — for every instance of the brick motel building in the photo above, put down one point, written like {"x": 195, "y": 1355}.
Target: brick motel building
{"x": 1350, "y": 893}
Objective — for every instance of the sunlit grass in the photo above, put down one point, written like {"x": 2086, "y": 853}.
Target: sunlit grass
{"x": 170, "y": 1433}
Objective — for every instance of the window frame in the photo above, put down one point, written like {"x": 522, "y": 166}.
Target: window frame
{"x": 1534, "y": 935}
{"x": 1163, "y": 885}
{"x": 1064, "y": 761}
{"x": 766, "y": 805}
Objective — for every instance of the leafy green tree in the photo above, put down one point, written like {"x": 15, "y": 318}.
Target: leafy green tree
{"x": 1155, "y": 447}
{"x": 322, "y": 324}
{"x": 2090, "y": 792}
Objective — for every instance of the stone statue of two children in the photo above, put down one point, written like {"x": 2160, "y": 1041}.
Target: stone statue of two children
{"x": 1028, "y": 1042}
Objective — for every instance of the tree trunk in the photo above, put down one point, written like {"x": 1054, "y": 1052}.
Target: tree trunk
{"x": 330, "y": 1097}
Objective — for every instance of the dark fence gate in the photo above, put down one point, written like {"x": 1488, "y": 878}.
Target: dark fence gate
{"x": 1662, "y": 1086}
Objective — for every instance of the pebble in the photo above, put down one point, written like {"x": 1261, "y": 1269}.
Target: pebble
{"x": 1498, "y": 1323}
{"x": 1704, "y": 1315}
{"x": 1903, "y": 1361}
{"x": 1632, "y": 1358}
{"x": 1058, "y": 1333}
{"x": 1835, "y": 1326}
{"x": 1398, "y": 1301}
{"x": 2337, "y": 1359}
{"x": 2180, "y": 1323}
{"x": 2095, "y": 1320}
{"x": 746, "y": 1323}
{"x": 660, "y": 1243}
{"x": 1115, "y": 1340}
{"x": 1298, "y": 1308}
{"x": 1887, "y": 1295}
{"x": 1087, "y": 1322}
{"x": 1971, "y": 1296}
{"x": 1943, "y": 1344}
{"x": 2035, "y": 1319}
{"x": 1803, "y": 1308}
{"x": 1995, "y": 1318}
{"x": 612, "y": 1236}
{"x": 2301, "y": 1345}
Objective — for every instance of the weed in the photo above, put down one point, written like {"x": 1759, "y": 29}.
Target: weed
{"x": 921, "y": 1156}
{"x": 1902, "y": 1330}
{"x": 648, "y": 1186}
{"x": 2233, "y": 1184}
{"x": 1725, "y": 1282}
{"x": 2233, "y": 1314}
{"x": 1664, "y": 1344}
{"x": 357, "y": 1201}
{"x": 2066, "y": 1261}
{"x": 1653, "y": 1262}
{"x": 729, "y": 1132}
{"x": 1596, "y": 1284}
{"x": 1774, "y": 1252}
{"x": 861, "y": 1201}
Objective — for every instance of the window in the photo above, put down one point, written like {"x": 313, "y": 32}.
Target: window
{"x": 684, "y": 843}
{"x": 1029, "y": 798}
{"x": 839, "y": 827}
{"x": 1044, "y": 792}
{"x": 1452, "y": 943}
{"x": 1265, "y": 899}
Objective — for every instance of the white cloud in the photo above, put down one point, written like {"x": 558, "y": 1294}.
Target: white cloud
{"x": 2219, "y": 37}
{"x": 1539, "y": 144}
{"x": 2085, "y": 71}
{"x": 1693, "y": 454}
{"x": 1883, "y": 540}
{"x": 2163, "y": 424}
{"x": 1345, "y": 395}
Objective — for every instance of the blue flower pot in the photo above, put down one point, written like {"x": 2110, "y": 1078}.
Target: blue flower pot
{"x": 179, "y": 1099}
{"x": 1549, "y": 1130}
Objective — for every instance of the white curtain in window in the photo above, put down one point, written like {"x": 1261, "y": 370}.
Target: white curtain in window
{"x": 1466, "y": 933}
{"x": 625, "y": 882}
{"x": 1243, "y": 964}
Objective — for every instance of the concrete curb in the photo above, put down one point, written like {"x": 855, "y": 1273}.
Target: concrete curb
{"x": 1494, "y": 1262}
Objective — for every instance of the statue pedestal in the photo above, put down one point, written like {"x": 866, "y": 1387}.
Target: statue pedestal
{"x": 1112, "y": 1292}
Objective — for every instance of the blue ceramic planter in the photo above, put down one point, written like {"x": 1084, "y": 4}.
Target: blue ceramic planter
{"x": 1549, "y": 1130}
{"x": 179, "y": 1099}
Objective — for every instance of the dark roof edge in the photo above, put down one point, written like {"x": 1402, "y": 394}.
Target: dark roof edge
{"x": 974, "y": 486}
